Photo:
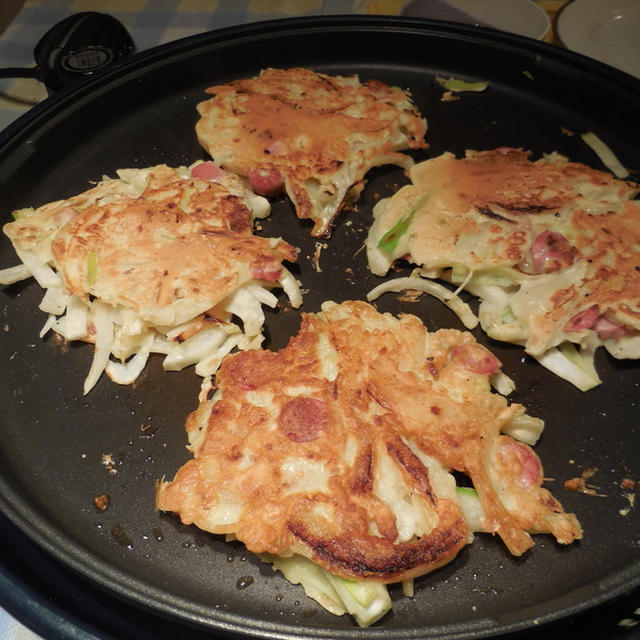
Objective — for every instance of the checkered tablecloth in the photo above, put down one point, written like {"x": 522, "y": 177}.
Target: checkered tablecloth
{"x": 150, "y": 22}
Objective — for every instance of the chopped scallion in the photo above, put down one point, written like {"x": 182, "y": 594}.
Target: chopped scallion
{"x": 390, "y": 239}
{"x": 92, "y": 268}
{"x": 454, "y": 84}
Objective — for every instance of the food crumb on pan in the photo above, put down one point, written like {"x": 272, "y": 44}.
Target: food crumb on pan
{"x": 319, "y": 246}
{"x": 631, "y": 499}
{"x": 108, "y": 463}
{"x": 580, "y": 483}
{"x": 410, "y": 295}
{"x": 101, "y": 502}
{"x": 448, "y": 96}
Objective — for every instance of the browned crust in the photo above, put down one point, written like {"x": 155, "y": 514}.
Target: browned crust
{"x": 373, "y": 557}
{"x": 321, "y": 491}
{"x": 300, "y": 124}
{"x": 181, "y": 239}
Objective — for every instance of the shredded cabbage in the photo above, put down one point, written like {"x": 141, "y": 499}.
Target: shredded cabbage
{"x": 74, "y": 324}
{"x": 102, "y": 321}
{"x": 11, "y": 275}
{"x": 605, "y": 154}
{"x": 502, "y": 383}
{"x": 128, "y": 372}
{"x": 366, "y": 600}
{"x": 525, "y": 428}
{"x": 194, "y": 349}
{"x": 291, "y": 287}
{"x": 574, "y": 366}
{"x": 450, "y": 298}
{"x": 471, "y": 508}
{"x": 124, "y": 338}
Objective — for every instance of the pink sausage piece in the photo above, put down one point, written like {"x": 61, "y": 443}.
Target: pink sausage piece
{"x": 303, "y": 419}
{"x": 266, "y": 268}
{"x": 266, "y": 181}
{"x": 607, "y": 329}
{"x": 249, "y": 372}
{"x": 207, "y": 171}
{"x": 476, "y": 358}
{"x": 584, "y": 320}
{"x": 551, "y": 251}
{"x": 530, "y": 470}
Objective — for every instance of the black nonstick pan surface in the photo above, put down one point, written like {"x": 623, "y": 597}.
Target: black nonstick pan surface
{"x": 60, "y": 450}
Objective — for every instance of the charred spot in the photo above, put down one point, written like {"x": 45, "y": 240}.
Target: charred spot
{"x": 435, "y": 410}
{"x": 361, "y": 480}
{"x": 239, "y": 220}
{"x": 485, "y": 211}
{"x": 413, "y": 466}
{"x": 374, "y": 393}
{"x": 530, "y": 208}
{"x": 379, "y": 558}
{"x": 211, "y": 392}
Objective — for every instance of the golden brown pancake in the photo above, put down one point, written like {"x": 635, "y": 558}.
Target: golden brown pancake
{"x": 311, "y": 134}
{"x": 550, "y": 247}
{"x": 341, "y": 447}
{"x": 159, "y": 259}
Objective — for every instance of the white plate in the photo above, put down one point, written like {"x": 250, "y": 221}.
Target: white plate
{"x": 523, "y": 17}
{"x": 607, "y": 30}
